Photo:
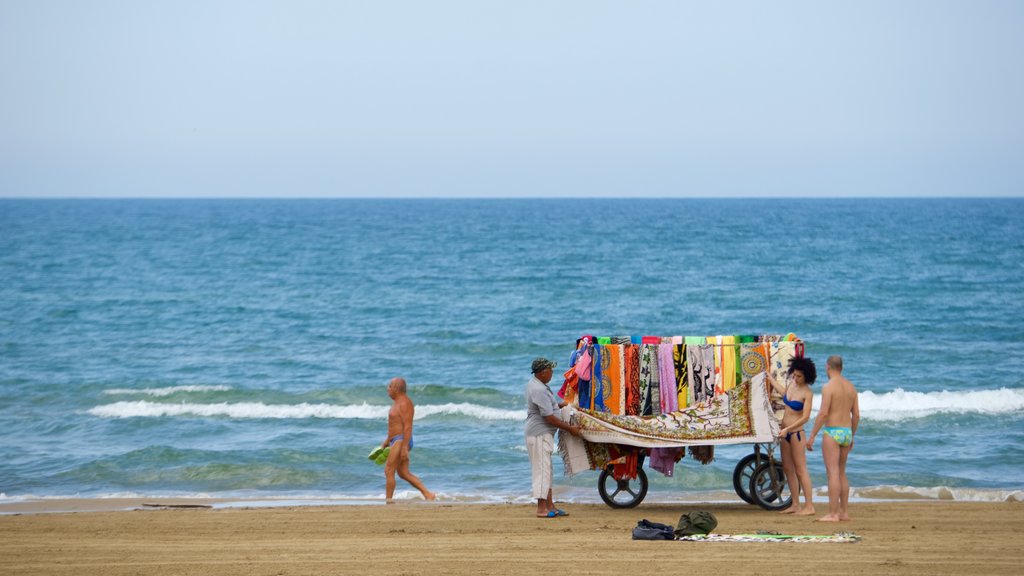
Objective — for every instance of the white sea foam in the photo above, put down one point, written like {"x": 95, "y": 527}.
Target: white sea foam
{"x": 166, "y": 391}
{"x": 363, "y": 411}
{"x": 903, "y": 405}
{"x": 896, "y": 405}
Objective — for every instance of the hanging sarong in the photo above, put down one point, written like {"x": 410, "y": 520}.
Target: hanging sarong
{"x": 780, "y": 354}
{"x": 683, "y": 394}
{"x": 667, "y": 379}
{"x": 647, "y": 367}
{"x": 701, "y": 363}
{"x": 753, "y": 360}
{"x": 632, "y": 369}
{"x": 596, "y": 382}
{"x": 611, "y": 378}
{"x": 728, "y": 363}
{"x": 716, "y": 342}
{"x": 664, "y": 459}
{"x": 655, "y": 381}
{"x": 572, "y": 449}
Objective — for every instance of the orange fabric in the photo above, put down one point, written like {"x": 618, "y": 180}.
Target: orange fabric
{"x": 614, "y": 399}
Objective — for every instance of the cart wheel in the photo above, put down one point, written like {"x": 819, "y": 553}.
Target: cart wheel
{"x": 741, "y": 475}
{"x": 769, "y": 493}
{"x": 622, "y": 493}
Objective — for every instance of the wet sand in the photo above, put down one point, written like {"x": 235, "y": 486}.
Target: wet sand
{"x": 461, "y": 539}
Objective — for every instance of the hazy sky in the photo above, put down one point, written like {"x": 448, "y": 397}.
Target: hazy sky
{"x": 477, "y": 98}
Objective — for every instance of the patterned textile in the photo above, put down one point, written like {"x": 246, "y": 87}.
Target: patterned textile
{"x": 700, "y": 360}
{"x": 648, "y": 368}
{"x": 611, "y": 378}
{"x": 741, "y": 416}
{"x": 621, "y": 340}
{"x": 837, "y": 538}
{"x": 753, "y": 359}
{"x": 631, "y": 354}
{"x": 779, "y": 354}
{"x": 683, "y": 394}
{"x": 572, "y": 449}
{"x": 570, "y": 385}
{"x": 728, "y": 363}
{"x": 597, "y": 381}
{"x": 716, "y": 341}
{"x": 667, "y": 379}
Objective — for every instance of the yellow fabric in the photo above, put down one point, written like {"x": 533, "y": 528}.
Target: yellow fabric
{"x": 728, "y": 363}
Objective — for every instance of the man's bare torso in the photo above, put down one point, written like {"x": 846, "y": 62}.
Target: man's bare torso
{"x": 401, "y": 408}
{"x": 843, "y": 397}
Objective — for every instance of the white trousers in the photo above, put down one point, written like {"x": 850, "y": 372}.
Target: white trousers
{"x": 540, "y": 448}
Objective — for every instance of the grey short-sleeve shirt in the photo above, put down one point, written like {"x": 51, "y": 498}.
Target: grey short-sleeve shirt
{"x": 540, "y": 402}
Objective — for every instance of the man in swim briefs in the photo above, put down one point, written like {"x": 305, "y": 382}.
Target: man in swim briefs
{"x": 837, "y": 418}
{"x": 400, "y": 439}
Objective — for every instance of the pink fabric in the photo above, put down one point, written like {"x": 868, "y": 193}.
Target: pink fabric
{"x": 583, "y": 365}
{"x": 667, "y": 379}
{"x": 664, "y": 459}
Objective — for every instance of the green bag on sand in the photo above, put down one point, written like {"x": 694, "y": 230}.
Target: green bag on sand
{"x": 697, "y": 522}
{"x": 379, "y": 455}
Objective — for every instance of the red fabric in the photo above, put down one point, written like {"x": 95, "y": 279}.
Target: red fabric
{"x": 632, "y": 383}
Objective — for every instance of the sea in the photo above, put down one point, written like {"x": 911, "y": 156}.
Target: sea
{"x": 240, "y": 349}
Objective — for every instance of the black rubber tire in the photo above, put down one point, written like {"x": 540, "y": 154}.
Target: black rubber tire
{"x": 618, "y": 487}
{"x": 742, "y": 473}
{"x": 765, "y": 494}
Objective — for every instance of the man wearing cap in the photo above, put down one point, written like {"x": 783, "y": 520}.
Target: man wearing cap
{"x": 541, "y": 422}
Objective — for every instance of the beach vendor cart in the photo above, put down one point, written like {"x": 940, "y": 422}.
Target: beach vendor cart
{"x": 652, "y": 399}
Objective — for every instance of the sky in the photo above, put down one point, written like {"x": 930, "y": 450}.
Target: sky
{"x": 212, "y": 98}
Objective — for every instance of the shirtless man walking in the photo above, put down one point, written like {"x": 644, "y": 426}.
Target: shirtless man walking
{"x": 838, "y": 418}
{"x": 400, "y": 439}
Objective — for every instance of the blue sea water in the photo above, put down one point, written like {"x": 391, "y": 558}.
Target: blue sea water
{"x": 241, "y": 348}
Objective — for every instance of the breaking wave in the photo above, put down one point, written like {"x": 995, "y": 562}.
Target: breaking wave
{"x": 241, "y": 410}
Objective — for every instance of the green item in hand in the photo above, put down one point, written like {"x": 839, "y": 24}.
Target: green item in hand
{"x": 379, "y": 455}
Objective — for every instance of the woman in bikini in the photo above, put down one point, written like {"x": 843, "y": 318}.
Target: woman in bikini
{"x": 797, "y": 396}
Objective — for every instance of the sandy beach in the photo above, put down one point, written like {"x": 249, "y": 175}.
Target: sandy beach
{"x": 419, "y": 538}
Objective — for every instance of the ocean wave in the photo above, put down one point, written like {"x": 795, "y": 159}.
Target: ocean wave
{"x": 167, "y": 391}
{"x": 242, "y": 410}
{"x": 959, "y": 494}
{"x": 901, "y": 404}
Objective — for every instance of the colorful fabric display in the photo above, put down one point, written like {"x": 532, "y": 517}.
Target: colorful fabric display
{"x": 741, "y": 416}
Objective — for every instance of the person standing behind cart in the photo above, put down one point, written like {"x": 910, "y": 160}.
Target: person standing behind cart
{"x": 541, "y": 422}
{"x": 797, "y": 396}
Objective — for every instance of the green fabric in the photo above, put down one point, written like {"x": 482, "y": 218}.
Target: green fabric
{"x": 604, "y": 340}
{"x": 694, "y": 340}
{"x": 697, "y": 522}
